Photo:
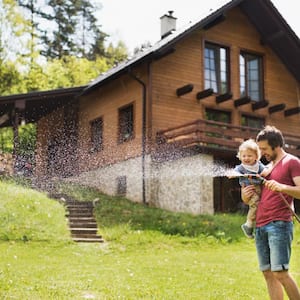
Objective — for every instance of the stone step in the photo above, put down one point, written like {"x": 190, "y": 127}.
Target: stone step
{"x": 83, "y": 219}
{"x": 73, "y": 207}
{"x": 84, "y": 235}
{"x": 83, "y": 230}
{"x": 88, "y": 240}
{"x": 82, "y": 224}
{"x": 79, "y": 215}
{"x": 81, "y": 205}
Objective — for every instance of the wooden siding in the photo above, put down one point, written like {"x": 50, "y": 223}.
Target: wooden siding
{"x": 105, "y": 103}
{"x": 185, "y": 66}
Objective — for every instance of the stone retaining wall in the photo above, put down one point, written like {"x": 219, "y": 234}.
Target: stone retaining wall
{"x": 181, "y": 185}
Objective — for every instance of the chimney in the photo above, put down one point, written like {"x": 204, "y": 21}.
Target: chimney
{"x": 167, "y": 24}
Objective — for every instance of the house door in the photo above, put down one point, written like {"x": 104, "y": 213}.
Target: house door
{"x": 227, "y": 195}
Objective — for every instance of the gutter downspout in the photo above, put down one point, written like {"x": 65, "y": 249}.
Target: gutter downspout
{"x": 144, "y": 110}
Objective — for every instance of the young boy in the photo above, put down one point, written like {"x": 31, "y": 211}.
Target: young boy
{"x": 249, "y": 155}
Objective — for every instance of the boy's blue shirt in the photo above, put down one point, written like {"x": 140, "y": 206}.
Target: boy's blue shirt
{"x": 246, "y": 181}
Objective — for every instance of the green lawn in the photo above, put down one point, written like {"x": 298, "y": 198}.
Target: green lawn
{"x": 147, "y": 254}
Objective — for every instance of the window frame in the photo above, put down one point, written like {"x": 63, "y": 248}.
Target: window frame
{"x": 218, "y": 112}
{"x": 218, "y": 89}
{"x": 122, "y": 133}
{"x": 262, "y": 120}
{"x": 244, "y": 73}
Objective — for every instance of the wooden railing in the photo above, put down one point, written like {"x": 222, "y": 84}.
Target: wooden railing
{"x": 216, "y": 135}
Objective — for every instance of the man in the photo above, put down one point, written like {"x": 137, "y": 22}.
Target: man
{"x": 274, "y": 226}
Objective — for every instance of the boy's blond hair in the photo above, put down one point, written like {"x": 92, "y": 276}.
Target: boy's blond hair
{"x": 249, "y": 145}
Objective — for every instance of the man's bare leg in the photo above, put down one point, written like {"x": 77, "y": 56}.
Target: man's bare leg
{"x": 274, "y": 286}
{"x": 289, "y": 284}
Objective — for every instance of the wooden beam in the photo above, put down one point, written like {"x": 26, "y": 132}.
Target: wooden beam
{"x": 4, "y": 118}
{"x": 260, "y": 104}
{"x": 292, "y": 111}
{"x": 223, "y": 97}
{"x": 242, "y": 101}
{"x": 275, "y": 108}
{"x": 204, "y": 94}
{"x": 184, "y": 90}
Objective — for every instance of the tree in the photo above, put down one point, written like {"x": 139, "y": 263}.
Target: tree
{"x": 90, "y": 39}
{"x": 116, "y": 54}
{"x": 72, "y": 30}
{"x": 33, "y": 16}
{"x": 11, "y": 79}
{"x": 71, "y": 71}
{"x": 12, "y": 28}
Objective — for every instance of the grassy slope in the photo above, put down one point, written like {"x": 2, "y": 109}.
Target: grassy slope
{"x": 30, "y": 216}
{"x": 148, "y": 253}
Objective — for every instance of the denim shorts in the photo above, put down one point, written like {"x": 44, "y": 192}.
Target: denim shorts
{"x": 273, "y": 245}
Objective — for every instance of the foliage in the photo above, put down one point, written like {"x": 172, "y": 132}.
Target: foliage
{"x": 6, "y": 140}
{"x": 65, "y": 31}
{"x": 11, "y": 79}
{"x": 71, "y": 71}
{"x": 13, "y": 27}
{"x": 27, "y": 139}
{"x": 116, "y": 54}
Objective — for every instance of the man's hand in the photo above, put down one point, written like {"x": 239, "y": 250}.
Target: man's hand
{"x": 275, "y": 186}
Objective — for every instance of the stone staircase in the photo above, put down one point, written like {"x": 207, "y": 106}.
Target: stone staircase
{"x": 81, "y": 219}
{"x": 82, "y": 223}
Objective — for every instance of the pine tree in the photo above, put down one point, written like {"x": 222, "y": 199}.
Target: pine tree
{"x": 72, "y": 30}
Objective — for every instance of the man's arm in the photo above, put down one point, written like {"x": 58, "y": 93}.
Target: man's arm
{"x": 290, "y": 190}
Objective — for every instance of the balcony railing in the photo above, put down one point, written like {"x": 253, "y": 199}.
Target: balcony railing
{"x": 211, "y": 135}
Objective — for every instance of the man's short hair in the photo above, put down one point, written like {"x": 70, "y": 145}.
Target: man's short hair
{"x": 272, "y": 135}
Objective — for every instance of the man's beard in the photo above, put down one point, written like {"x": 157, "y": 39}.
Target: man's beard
{"x": 271, "y": 157}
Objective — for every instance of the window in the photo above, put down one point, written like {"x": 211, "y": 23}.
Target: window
{"x": 126, "y": 123}
{"x": 251, "y": 77}
{"x": 121, "y": 185}
{"x": 252, "y": 122}
{"x": 218, "y": 115}
{"x": 97, "y": 134}
{"x": 216, "y": 65}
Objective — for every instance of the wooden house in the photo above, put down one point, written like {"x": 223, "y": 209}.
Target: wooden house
{"x": 161, "y": 127}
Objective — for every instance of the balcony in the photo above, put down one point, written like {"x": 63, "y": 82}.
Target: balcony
{"x": 213, "y": 138}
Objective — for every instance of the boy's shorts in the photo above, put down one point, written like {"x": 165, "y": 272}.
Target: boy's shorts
{"x": 273, "y": 245}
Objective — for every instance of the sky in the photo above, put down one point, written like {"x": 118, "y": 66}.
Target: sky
{"x": 138, "y": 21}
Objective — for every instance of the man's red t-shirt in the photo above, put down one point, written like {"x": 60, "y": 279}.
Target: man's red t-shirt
{"x": 271, "y": 206}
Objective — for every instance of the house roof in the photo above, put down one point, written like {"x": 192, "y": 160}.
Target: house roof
{"x": 273, "y": 29}
{"x": 37, "y": 104}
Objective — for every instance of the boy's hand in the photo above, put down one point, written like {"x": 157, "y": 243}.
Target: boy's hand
{"x": 247, "y": 192}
